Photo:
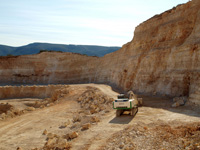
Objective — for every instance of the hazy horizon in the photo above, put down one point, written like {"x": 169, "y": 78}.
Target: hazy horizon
{"x": 59, "y": 44}
{"x": 78, "y": 22}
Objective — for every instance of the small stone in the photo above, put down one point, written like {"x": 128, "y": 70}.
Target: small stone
{"x": 92, "y": 111}
{"x": 66, "y": 136}
{"x": 73, "y": 135}
{"x": 24, "y": 111}
{"x": 30, "y": 109}
{"x": 51, "y": 141}
{"x": 42, "y": 106}
{"x": 10, "y": 114}
{"x": 44, "y": 132}
{"x": 102, "y": 107}
{"x": 87, "y": 112}
{"x": 175, "y": 105}
{"x": 51, "y": 135}
{"x": 3, "y": 116}
{"x": 145, "y": 128}
{"x": 97, "y": 109}
{"x": 51, "y": 104}
{"x": 75, "y": 125}
{"x": 175, "y": 99}
{"x": 62, "y": 144}
{"x": 121, "y": 145}
{"x": 76, "y": 118}
{"x": 79, "y": 99}
{"x": 92, "y": 106}
{"x": 66, "y": 123}
{"x": 86, "y": 126}
{"x": 17, "y": 112}
{"x": 107, "y": 111}
{"x": 19, "y": 148}
{"x": 35, "y": 149}
{"x": 94, "y": 119}
{"x": 181, "y": 102}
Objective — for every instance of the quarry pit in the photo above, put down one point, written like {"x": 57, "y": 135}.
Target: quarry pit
{"x": 80, "y": 116}
{"x": 64, "y": 101}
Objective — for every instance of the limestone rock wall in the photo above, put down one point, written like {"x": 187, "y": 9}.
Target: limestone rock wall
{"x": 47, "y": 68}
{"x": 163, "y": 57}
{"x": 30, "y": 91}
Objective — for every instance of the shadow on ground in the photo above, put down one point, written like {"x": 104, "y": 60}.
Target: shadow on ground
{"x": 123, "y": 119}
{"x": 166, "y": 103}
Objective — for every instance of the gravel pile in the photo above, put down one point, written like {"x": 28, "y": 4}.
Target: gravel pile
{"x": 9, "y": 111}
{"x": 94, "y": 101}
{"x": 93, "y": 104}
{"x": 156, "y": 136}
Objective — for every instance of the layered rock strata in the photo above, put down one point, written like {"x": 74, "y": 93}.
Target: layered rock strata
{"x": 48, "y": 91}
{"x": 164, "y": 55}
{"x": 163, "y": 58}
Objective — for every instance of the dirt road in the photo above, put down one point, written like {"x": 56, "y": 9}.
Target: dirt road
{"x": 26, "y": 130}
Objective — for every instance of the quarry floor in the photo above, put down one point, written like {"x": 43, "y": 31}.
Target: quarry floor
{"x": 26, "y": 130}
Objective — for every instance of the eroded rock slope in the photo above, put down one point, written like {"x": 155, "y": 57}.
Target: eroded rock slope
{"x": 163, "y": 57}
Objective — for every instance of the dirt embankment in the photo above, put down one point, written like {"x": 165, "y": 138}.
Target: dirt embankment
{"x": 29, "y": 91}
{"x": 163, "y": 58}
{"x": 157, "y": 135}
{"x": 29, "y": 98}
{"x": 81, "y": 117}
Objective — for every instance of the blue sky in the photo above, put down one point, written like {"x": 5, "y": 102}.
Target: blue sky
{"x": 86, "y": 22}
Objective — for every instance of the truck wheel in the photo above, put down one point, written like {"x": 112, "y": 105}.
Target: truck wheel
{"x": 118, "y": 112}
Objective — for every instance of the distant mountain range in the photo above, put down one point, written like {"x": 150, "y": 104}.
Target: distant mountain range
{"x": 34, "y": 48}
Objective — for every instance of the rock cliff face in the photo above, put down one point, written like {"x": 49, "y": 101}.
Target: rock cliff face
{"x": 163, "y": 57}
{"x": 45, "y": 91}
{"x": 47, "y": 68}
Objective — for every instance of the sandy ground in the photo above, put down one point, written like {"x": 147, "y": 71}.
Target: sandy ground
{"x": 26, "y": 130}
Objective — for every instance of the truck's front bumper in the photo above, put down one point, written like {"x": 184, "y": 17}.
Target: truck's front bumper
{"x": 122, "y": 105}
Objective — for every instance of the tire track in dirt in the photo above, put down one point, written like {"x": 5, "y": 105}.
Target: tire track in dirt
{"x": 26, "y": 130}
{"x": 96, "y": 136}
